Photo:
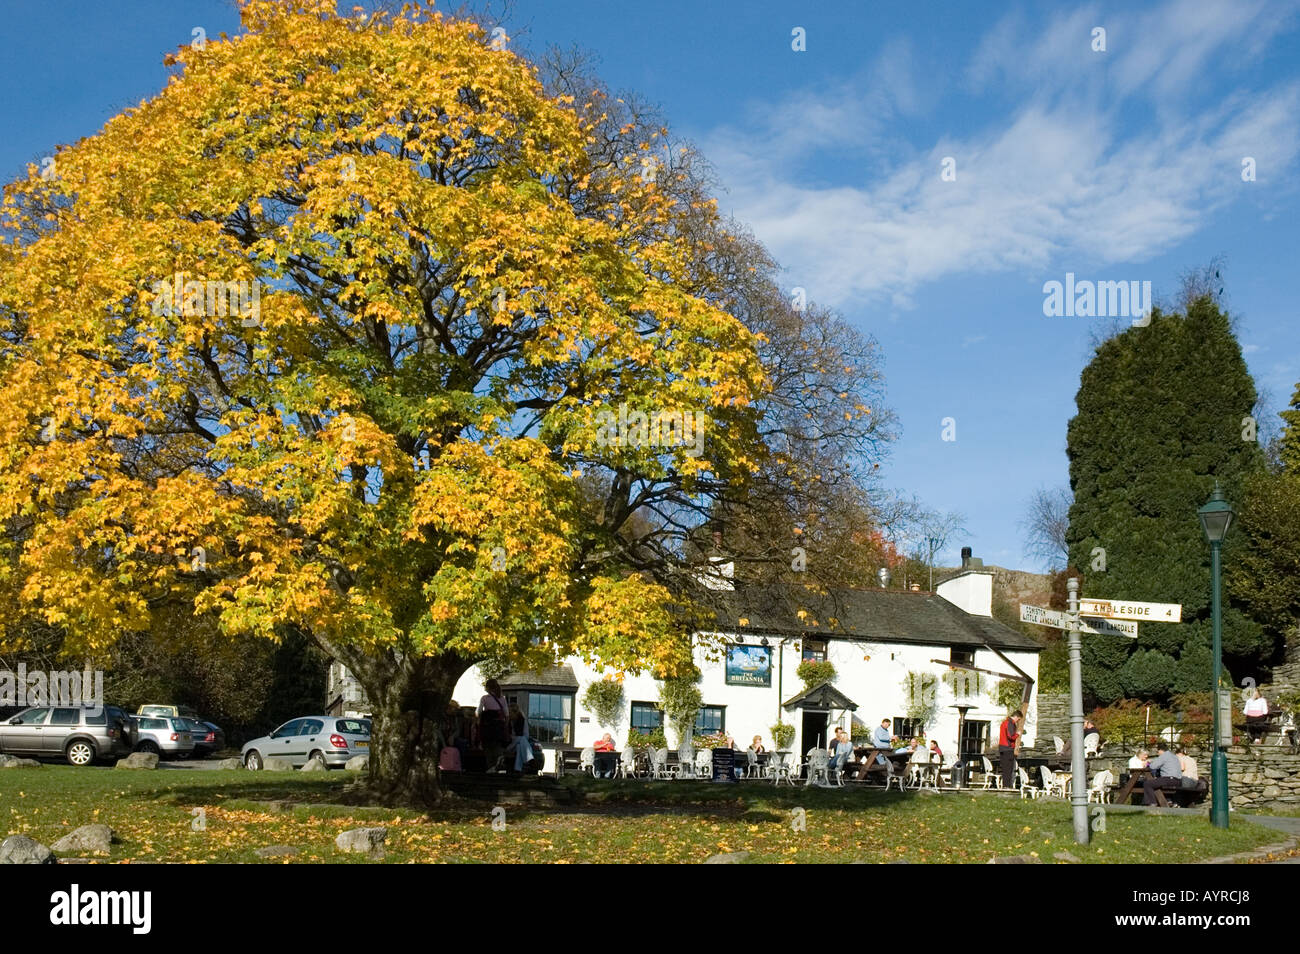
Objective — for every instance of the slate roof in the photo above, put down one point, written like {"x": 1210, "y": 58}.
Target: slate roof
{"x": 559, "y": 677}
{"x": 875, "y": 615}
{"x": 822, "y": 696}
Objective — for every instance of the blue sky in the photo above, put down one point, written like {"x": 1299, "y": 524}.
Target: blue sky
{"x": 1117, "y": 165}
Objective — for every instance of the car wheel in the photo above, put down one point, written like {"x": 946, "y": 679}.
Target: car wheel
{"x": 319, "y": 758}
{"x": 148, "y": 746}
{"x": 253, "y": 761}
{"x": 79, "y": 753}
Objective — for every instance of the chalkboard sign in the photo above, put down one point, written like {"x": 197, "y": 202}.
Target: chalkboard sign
{"x": 724, "y": 764}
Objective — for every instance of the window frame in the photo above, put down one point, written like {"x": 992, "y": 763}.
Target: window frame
{"x": 642, "y": 727}
{"x": 699, "y": 729}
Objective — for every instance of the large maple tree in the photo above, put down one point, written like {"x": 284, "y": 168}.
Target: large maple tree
{"x": 396, "y": 446}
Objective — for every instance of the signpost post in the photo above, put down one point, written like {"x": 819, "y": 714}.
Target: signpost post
{"x": 1099, "y": 618}
{"x": 1078, "y": 764}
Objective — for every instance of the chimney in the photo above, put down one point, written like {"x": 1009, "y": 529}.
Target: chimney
{"x": 972, "y": 588}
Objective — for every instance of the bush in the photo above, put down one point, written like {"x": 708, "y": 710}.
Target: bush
{"x": 680, "y": 699}
{"x": 861, "y": 732}
{"x": 814, "y": 672}
{"x": 605, "y": 699}
{"x": 654, "y": 739}
{"x": 782, "y": 735}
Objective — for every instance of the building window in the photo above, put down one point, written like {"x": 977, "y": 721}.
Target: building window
{"x": 964, "y": 656}
{"x": 646, "y": 717}
{"x": 814, "y": 650}
{"x": 711, "y": 720}
{"x": 550, "y": 717}
{"x": 974, "y": 737}
{"x": 908, "y": 729}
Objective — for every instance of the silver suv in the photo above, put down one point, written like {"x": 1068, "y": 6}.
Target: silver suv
{"x": 79, "y": 734}
{"x": 165, "y": 737}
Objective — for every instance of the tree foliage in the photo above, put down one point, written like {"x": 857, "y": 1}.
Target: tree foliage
{"x": 463, "y": 267}
{"x": 1160, "y": 419}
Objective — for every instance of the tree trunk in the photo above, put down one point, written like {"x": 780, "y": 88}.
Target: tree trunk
{"x": 408, "y": 698}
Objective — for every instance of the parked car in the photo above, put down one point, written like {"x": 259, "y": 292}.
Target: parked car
{"x": 174, "y": 712}
{"x": 79, "y": 734}
{"x": 165, "y": 737}
{"x": 208, "y": 738}
{"x": 329, "y": 740}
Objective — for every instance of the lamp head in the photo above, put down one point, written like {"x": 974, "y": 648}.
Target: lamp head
{"x": 1216, "y": 516}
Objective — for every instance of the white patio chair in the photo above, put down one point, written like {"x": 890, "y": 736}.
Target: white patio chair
{"x": 751, "y": 764}
{"x": 704, "y": 764}
{"x": 659, "y": 767}
{"x": 818, "y": 767}
{"x": 1091, "y": 744}
{"x": 1026, "y": 788}
{"x": 1059, "y": 743}
{"x": 991, "y": 779}
{"x": 1053, "y": 784}
{"x": 782, "y": 768}
{"x": 1286, "y": 730}
{"x": 1101, "y": 783}
{"x": 627, "y": 763}
{"x": 587, "y": 761}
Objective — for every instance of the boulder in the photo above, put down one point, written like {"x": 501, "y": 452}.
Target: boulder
{"x": 230, "y": 764}
{"x": 276, "y": 851}
{"x": 139, "y": 760}
{"x": 364, "y": 841}
{"x": 95, "y": 839}
{"x": 727, "y": 858}
{"x": 9, "y": 761}
{"x": 313, "y": 766}
{"x": 21, "y": 850}
{"x": 1015, "y": 860}
{"x": 358, "y": 763}
{"x": 276, "y": 765}
{"x": 1066, "y": 856}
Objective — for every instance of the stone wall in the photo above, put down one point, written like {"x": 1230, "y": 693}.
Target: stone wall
{"x": 1262, "y": 776}
{"x": 1053, "y": 719}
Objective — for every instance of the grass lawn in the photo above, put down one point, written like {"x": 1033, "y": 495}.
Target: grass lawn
{"x": 619, "y": 821}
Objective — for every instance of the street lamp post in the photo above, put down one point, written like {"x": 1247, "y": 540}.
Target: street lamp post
{"x": 1216, "y": 516}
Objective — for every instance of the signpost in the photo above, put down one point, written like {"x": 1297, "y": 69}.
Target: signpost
{"x": 1059, "y": 619}
{"x": 1131, "y": 609}
{"x": 1098, "y": 618}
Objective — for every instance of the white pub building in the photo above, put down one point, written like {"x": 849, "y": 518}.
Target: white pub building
{"x": 893, "y": 652}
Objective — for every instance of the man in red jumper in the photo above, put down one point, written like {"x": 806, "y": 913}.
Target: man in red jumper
{"x": 1009, "y": 747}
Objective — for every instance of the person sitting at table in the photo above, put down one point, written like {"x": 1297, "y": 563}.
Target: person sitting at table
{"x": 1256, "y": 710}
{"x": 604, "y": 764}
{"x": 840, "y": 749}
{"x": 1140, "y": 760}
{"x": 1187, "y": 764}
{"x": 909, "y": 748}
{"x": 936, "y": 753}
{"x": 1166, "y": 774}
{"x": 882, "y": 739}
{"x": 757, "y": 745}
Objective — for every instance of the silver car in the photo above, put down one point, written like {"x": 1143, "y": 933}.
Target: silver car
{"x": 79, "y": 734}
{"x": 165, "y": 737}
{"x": 328, "y": 740}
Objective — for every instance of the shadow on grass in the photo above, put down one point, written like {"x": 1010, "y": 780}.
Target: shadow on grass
{"x": 471, "y": 796}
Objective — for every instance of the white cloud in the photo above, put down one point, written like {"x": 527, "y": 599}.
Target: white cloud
{"x": 1066, "y": 177}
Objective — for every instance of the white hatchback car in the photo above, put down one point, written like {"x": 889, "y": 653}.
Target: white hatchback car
{"x": 329, "y": 740}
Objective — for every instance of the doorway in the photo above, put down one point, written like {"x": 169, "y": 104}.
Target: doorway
{"x": 814, "y": 730}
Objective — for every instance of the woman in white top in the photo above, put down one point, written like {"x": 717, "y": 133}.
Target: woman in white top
{"x": 1256, "y": 715}
{"x": 1140, "y": 760}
